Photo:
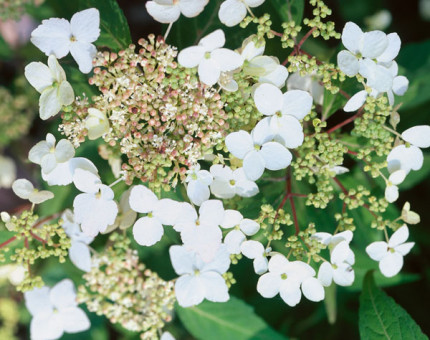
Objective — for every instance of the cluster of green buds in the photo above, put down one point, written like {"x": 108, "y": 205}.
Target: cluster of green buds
{"x": 320, "y": 28}
{"x": 30, "y": 241}
{"x": 160, "y": 116}
{"x": 123, "y": 290}
{"x": 272, "y": 220}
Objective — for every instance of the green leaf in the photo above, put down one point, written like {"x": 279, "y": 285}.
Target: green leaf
{"x": 232, "y": 320}
{"x": 115, "y": 32}
{"x": 380, "y": 317}
{"x": 289, "y": 9}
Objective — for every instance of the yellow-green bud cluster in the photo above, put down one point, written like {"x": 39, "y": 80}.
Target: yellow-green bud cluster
{"x": 271, "y": 221}
{"x": 36, "y": 242}
{"x": 325, "y": 30}
{"x": 161, "y": 117}
{"x": 126, "y": 292}
{"x": 264, "y": 25}
{"x": 303, "y": 247}
{"x": 291, "y": 30}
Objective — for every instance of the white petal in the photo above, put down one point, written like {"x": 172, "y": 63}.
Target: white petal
{"x": 356, "y": 101}
{"x": 231, "y": 219}
{"x": 288, "y": 129}
{"x": 220, "y": 263}
{"x": 66, "y": 96}
{"x": 22, "y": 188}
{"x": 278, "y": 264}
{"x": 254, "y": 3}
{"x": 397, "y": 177}
{"x": 290, "y": 292}
{"x": 167, "y": 336}
{"x": 168, "y": 211}
{"x": 216, "y": 289}
{"x": 37, "y": 301}
{"x": 191, "y": 56}
{"x": 53, "y": 37}
{"x": 405, "y": 158}
{"x": 381, "y": 79}
{"x": 405, "y": 248}
{"x": 374, "y": 44}
{"x": 86, "y": 181}
{"x": 214, "y": 40}
{"x": 83, "y": 53}
{"x": 377, "y": 250}
{"x": 49, "y": 103}
{"x": 209, "y": 71}
{"x": 38, "y": 197}
{"x": 351, "y": 36}
{"x": 400, "y": 85}
{"x": 224, "y": 172}
{"x": 249, "y": 227}
{"x": 344, "y": 275}
{"x": 253, "y": 165}
{"x": 260, "y": 264}
{"x": 239, "y": 143}
{"x": 391, "y": 193}
{"x": 268, "y": 285}
{"x": 392, "y": 49}
{"x": 323, "y": 237}
{"x": 142, "y": 199}
{"x": 205, "y": 240}
{"x": 192, "y": 8}
{"x": 348, "y": 63}
{"x": 313, "y": 290}
{"x": 399, "y": 237}
{"x": 163, "y": 13}
{"x": 277, "y": 77}
{"x": 211, "y": 212}
{"x": 85, "y": 25}
{"x": 252, "y": 249}
{"x": 222, "y": 189}
{"x": 418, "y": 136}
{"x": 38, "y": 151}
{"x": 198, "y": 192}
{"x": 391, "y": 264}
{"x": 189, "y": 291}
{"x": 74, "y": 320}
{"x": 39, "y": 76}
{"x": 147, "y": 231}
{"x": 276, "y": 156}
{"x": 233, "y": 240}
{"x": 245, "y": 187}
{"x": 262, "y": 132}
{"x": 64, "y": 151}
{"x": 182, "y": 260}
{"x": 46, "y": 327}
{"x": 48, "y": 163}
{"x": 80, "y": 256}
{"x": 325, "y": 274}
{"x": 63, "y": 294}
{"x": 232, "y": 12}
{"x": 226, "y": 59}
{"x": 297, "y": 103}
{"x": 268, "y": 99}
{"x": 341, "y": 252}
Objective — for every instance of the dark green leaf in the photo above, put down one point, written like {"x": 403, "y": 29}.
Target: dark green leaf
{"x": 289, "y": 9}
{"x": 380, "y": 317}
{"x": 115, "y": 32}
{"x": 232, "y": 320}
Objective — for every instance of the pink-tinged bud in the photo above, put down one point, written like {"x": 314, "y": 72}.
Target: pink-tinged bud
{"x": 151, "y": 122}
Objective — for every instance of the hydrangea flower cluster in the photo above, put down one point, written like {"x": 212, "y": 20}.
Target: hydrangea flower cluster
{"x": 219, "y": 126}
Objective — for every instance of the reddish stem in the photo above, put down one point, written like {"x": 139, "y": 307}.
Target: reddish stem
{"x": 293, "y": 207}
{"x": 345, "y": 122}
{"x": 305, "y": 37}
{"x": 5, "y": 243}
{"x": 37, "y": 237}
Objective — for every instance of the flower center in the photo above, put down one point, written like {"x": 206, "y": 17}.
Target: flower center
{"x": 207, "y": 55}
{"x": 232, "y": 182}
{"x": 284, "y": 276}
{"x": 72, "y": 38}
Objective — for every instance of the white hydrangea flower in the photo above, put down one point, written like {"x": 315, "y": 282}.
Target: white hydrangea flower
{"x": 148, "y": 230}
{"x": 418, "y": 136}
{"x": 284, "y": 111}
{"x": 7, "y": 172}
{"x": 58, "y": 37}
{"x": 258, "y": 151}
{"x": 57, "y": 162}
{"x": 14, "y": 273}
{"x": 55, "y": 311}
{"x": 5, "y": 217}
{"x": 332, "y": 240}
{"x": 268, "y": 69}
{"x": 168, "y": 11}
{"x": 198, "y": 279}
{"x": 50, "y": 81}
{"x": 289, "y": 280}
{"x": 95, "y": 208}
{"x": 96, "y": 123}
{"x": 391, "y": 190}
{"x": 232, "y": 12}
{"x": 408, "y": 216}
{"x": 228, "y": 183}
{"x": 339, "y": 269}
{"x": 167, "y": 336}
{"x": 390, "y": 255}
{"x": 254, "y": 250}
{"x": 242, "y": 227}
{"x": 210, "y": 58}
{"x": 79, "y": 252}
{"x": 198, "y": 184}
{"x": 372, "y": 45}
{"x": 201, "y": 233}
{"x": 24, "y": 189}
